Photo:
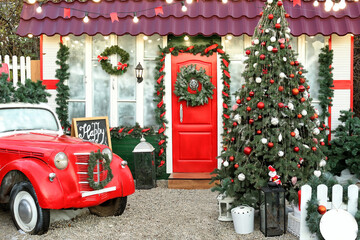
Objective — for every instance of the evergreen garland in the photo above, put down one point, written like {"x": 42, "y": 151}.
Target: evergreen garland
{"x": 326, "y": 81}
{"x": 63, "y": 94}
{"x": 106, "y": 65}
{"x": 135, "y": 131}
{"x": 6, "y": 89}
{"x": 93, "y": 161}
{"x": 160, "y": 111}
{"x": 186, "y": 74}
{"x": 31, "y": 92}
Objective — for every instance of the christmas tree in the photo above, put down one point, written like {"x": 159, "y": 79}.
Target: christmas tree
{"x": 276, "y": 134}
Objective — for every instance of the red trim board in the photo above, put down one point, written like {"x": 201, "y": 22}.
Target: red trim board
{"x": 352, "y": 73}
{"x": 41, "y": 57}
{"x": 50, "y": 83}
{"x": 329, "y": 109}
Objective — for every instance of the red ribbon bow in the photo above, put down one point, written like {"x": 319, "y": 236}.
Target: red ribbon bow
{"x": 121, "y": 66}
{"x": 101, "y": 58}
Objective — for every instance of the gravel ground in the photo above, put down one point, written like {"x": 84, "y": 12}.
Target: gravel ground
{"x": 159, "y": 213}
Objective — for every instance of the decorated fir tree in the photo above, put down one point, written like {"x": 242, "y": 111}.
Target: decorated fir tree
{"x": 275, "y": 127}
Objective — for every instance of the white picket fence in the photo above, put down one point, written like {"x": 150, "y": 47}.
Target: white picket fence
{"x": 322, "y": 196}
{"x": 24, "y": 66}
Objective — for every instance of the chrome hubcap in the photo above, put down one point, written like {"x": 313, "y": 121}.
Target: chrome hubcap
{"x": 25, "y": 212}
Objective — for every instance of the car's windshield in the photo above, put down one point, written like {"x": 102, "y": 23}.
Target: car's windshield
{"x": 20, "y": 119}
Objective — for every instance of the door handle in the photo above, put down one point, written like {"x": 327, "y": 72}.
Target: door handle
{"x": 181, "y": 113}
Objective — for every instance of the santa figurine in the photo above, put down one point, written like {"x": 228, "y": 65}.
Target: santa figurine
{"x": 273, "y": 175}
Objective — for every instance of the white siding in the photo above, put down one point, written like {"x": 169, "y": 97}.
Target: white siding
{"x": 50, "y": 49}
{"x": 341, "y": 102}
{"x": 51, "y": 100}
{"x": 342, "y": 56}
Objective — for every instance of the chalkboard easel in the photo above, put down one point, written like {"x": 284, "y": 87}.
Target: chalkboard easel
{"x": 93, "y": 129}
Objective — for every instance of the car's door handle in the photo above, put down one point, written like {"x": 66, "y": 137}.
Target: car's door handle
{"x": 181, "y": 113}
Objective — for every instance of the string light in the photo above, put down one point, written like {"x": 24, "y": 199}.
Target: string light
{"x": 86, "y": 18}
{"x": 145, "y": 38}
{"x": 183, "y": 8}
{"x": 224, "y": 1}
{"x": 135, "y": 19}
{"x": 342, "y": 4}
{"x": 228, "y": 37}
{"x": 328, "y": 5}
{"x": 31, "y": 1}
{"x": 186, "y": 38}
{"x": 316, "y": 3}
{"x": 169, "y": 1}
{"x": 39, "y": 8}
{"x": 189, "y": 1}
{"x": 30, "y": 35}
{"x": 336, "y": 7}
{"x": 67, "y": 38}
{"x": 96, "y": 1}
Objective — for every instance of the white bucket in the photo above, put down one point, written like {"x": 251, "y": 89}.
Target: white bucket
{"x": 243, "y": 217}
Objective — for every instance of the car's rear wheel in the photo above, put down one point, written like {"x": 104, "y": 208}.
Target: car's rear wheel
{"x": 26, "y": 211}
{"x": 112, "y": 207}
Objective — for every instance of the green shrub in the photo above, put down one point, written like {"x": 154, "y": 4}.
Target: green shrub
{"x": 31, "y": 92}
{"x": 6, "y": 89}
{"x": 344, "y": 151}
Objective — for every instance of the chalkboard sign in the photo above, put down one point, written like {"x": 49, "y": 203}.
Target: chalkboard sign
{"x": 93, "y": 129}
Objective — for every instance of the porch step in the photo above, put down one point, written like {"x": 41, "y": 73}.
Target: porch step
{"x": 190, "y": 181}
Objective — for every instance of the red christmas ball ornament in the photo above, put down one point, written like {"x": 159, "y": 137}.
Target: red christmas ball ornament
{"x": 270, "y": 144}
{"x": 251, "y": 121}
{"x": 263, "y": 44}
{"x": 292, "y": 63}
{"x": 225, "y": 148}
{"x": 322, "y": 143}
{"x": 234, "y": 124}
{"x": 302, "y": 99}
{"x": 251, "y": 94}
{"x": 321, "y": 209}
{"x": 281, "y": 105}
{"x": 238, "y": 101}
{"x": 247, "y": 150}
{"x": 248, "y": 98}
{"x": 301, "y": 88}
{"x": 270, "y": 16}
{"x": 289, "y": 47}
{"x": 292, "y": 75}
{"x": 302, "y": 80}
{"x": 259, "y": 117}
{"x": 292, "y": 134}
{"x": 248, "y": 52}
{"x": 315, "y": 115}
{"x": 282, "y": 46}
{"x": 296, "y": 149}
{"x": 261, "y": 13}
{"x": 272, "y": 81}
{"x": 295, "y": 91}
{"x": 232, "y": 180}
{"x": 275, "y": 50}
{"x": 300, "y": 73}
{"x": 279, "y": 3}
{"x": 287, "y": 15}
{"x": 236, "y": 165}
{"x": 281, "y": 88}
{"x": 299, "y": 116}
{"x": 308, "y": 87}
{"x": 296, "y": 63}
{"x": 248, "y": 109}
{"x": 232, "y": 139}
{"x": 258, "y": 132}
{"x": 231, "y": 158}
{"x": 262, "y": 56}
{"x": 312, "y": 118}
{"x": 277, "y": 26}
{"x": 314, "y": 149}
{"x": 260, "y": 105}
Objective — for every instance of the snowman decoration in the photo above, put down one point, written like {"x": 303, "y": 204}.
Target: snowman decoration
{"x": 273, "y": 175}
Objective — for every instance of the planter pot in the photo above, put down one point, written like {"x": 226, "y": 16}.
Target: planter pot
{"x": 243, "y": 217}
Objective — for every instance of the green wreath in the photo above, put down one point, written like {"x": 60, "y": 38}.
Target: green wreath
{"x": 96, "y": 157}
{"x": 107, "y": 66}
{"x": 189, "y": 77}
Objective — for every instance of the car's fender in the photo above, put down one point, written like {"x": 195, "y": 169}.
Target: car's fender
{"x": 49, "y": 194}
{"x": 125, "y": 177}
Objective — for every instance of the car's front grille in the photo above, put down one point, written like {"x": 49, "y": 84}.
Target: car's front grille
{"x": 82, "y": 165}
{"x": 22, "y": 153}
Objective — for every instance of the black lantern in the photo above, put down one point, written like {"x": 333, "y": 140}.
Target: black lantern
{"x": 144, "y": 161}
{"x": 139, "y": 73}
{"x": 272, "y": 210}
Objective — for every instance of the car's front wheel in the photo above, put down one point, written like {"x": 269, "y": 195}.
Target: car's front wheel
{"x": 26, "y": 211}
{"x": 112, "y": 207}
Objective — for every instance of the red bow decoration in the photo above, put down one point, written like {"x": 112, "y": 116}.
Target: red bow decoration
{"x": 121, "y": 66}
{"x": 99, "y": 57}
{"x": 162, "y": 162}
{"x": 130, "y": 131}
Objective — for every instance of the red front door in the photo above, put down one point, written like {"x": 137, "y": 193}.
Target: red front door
{"x": 195, "y": 137}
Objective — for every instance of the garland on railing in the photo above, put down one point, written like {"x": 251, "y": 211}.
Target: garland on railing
{"x": 135, "y": 131}
{"x": 326, "y": 81}
{"x": 160, "y": 111}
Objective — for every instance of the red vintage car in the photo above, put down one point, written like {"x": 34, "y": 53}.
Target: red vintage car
{"x": 43, "y": 169}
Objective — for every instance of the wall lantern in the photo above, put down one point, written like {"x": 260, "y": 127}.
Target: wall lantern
{"x": 225, "y": 205}
{"x": 272, "y": 210}
{"x": 144, "y": 161}
{"x": 139, "y": 73}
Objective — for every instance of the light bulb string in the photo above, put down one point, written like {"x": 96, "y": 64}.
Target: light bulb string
{"x": 41, "y": 4}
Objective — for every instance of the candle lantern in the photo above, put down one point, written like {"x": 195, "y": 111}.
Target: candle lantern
{"x": 225, "y": 205}
{"x": 272, "y": 210}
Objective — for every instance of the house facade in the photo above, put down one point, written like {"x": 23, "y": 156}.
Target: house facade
{"x": 194, "y": 133}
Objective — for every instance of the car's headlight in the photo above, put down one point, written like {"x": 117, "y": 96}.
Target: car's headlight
{"x": 61, "y": 161}
{"x": 108, "y": 152}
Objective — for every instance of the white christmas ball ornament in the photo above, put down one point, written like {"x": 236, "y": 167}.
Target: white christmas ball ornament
{"x": 282, "y": 75}
{"x": 304, "y": 112}
{"x": 316, "y": 131}
{"x": 258, "y": 80}
{"x": 267, "y": 30}
{"x": 317, "y": 122}
{"x": 273, "y": 39}
{"x": 317, "y": 173}
{"x": 256, "y": 41}
{"x": 237, "y": 118}
{"x": 264, "y": 141}
{"x": 322, "y": 163}
{"x": 288, "y": 30}
{"x": 255, "y": 64}
{"x": 274, "y": 121}
{"x": 226, "y": 164}
{"x": 256, "y": 53}
{"x": 269, "y": 48}
{"x": 284, "y": 59}
{"x": 287, "y": 36}
{"x": 241, "y": 177}
{"x": 280, "y": 153}
{"x": 316, "y": 111}
{"x": 290, "y": 106}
